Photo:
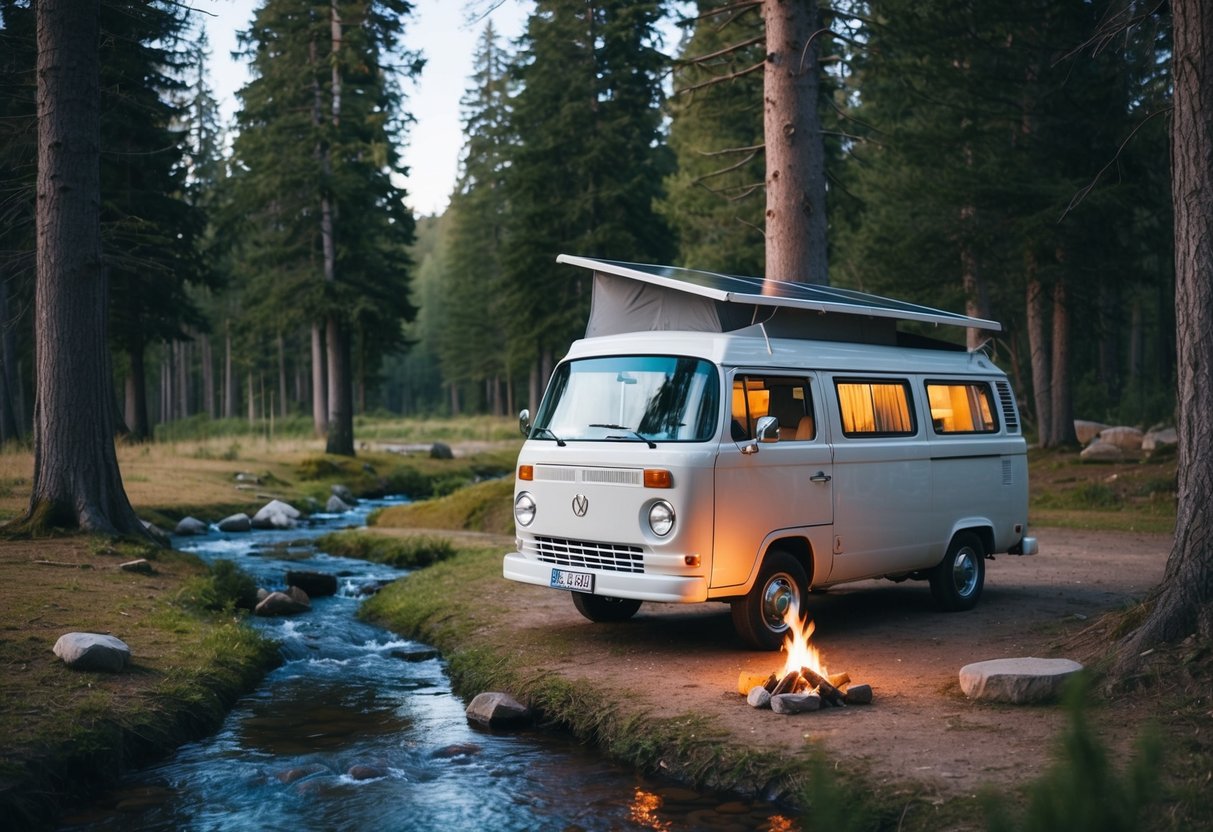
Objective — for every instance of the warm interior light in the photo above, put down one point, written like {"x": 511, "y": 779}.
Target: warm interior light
{"x": 526, "y": 472}
{"x": 658, "y": 478}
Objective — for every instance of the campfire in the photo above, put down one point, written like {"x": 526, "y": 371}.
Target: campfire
{"x": 804, "y": 683}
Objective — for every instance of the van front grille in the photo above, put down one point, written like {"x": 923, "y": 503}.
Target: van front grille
{"x": 613, "y": 557}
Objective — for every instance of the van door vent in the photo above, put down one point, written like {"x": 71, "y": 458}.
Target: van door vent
{"x": 1008, "y": 406}
{"x": 1006, "y": 471}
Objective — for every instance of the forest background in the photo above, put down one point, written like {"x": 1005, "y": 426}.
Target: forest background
{"x": 1002, "y": 158}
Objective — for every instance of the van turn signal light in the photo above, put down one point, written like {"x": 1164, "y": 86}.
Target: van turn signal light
{"x": 526, "y": 472}
{"x": 658, "y": 478}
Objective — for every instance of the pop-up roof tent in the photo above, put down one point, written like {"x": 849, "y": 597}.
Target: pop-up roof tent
{"x": 634, "y": 297}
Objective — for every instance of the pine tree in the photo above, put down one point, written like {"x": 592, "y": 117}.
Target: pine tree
{"x": 587, "y": 166}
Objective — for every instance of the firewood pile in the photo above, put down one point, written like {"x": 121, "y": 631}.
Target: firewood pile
{"x": 800, "y": 690}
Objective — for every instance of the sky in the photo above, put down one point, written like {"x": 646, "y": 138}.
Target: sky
{"x": 440, "y": 31}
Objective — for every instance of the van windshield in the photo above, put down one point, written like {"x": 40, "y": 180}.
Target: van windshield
{"x": 637, "y": 398}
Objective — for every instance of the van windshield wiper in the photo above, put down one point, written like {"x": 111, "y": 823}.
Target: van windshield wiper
{"x": 560, "y": 443}
{"x": 635, "y": 433}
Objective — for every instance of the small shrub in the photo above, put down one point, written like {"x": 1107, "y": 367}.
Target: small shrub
{"x": 318, "y": 468}
{"x": 227, "y": 587}
{"x": 1095, "y": 495}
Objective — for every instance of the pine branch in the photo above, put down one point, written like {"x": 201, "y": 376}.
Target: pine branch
{"x": 720, "y": 52}
{"x": 720, "y": 79}
{"x": 744, "y": 5}
{"x": 1077, "y": 199}
{"x": 729, "y": 169}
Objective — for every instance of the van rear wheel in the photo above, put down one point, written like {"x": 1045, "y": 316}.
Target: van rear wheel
{"x": 758, "y": 617}
{"x": 601, "y": 609}
{"x": 957, "y": 581}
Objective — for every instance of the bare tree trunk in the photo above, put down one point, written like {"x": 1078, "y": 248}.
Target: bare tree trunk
{"x": 977, "y": 304}
{"x": 76, "y": 481}
{"x": 10, "y": 420}
{"x": 533, "y": 389}
{"x": 1063, "y": 398}
{"x": 252, "y": 399}
{"x": 1038, "y": 349}
{"x": 166, "y": 387}
{"x": 182, "y": 349}
{"x": 283, "y": 402}
{"x": 136, "y": 395}
{"x": 208, "y": 376}
{"x": 1183, "y": 603}
{"x": 794, "y": 148}
{"x": 320, "y": 392}
{"x": 229, "y": 378}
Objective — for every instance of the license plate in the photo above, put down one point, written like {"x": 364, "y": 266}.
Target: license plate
{"x": 576, "y": 581}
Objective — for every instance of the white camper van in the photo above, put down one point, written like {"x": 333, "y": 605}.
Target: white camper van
{"x": 745, "y": 440}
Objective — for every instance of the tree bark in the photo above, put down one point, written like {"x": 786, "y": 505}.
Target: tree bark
{"x": 1038, "y": 350}
{"x": 341, "y": 393}
{"x": 283, "y": 401}
{"x": 136, "y": 395}
{"x": 208, "y": 375}
{"x": 1063, "y": 398}
{"x": 76, "y": 480}
{"x": 320, "y": 390}
{"x": 795, "y": 152}
{"x": 1183, "y": 603}
{"x": 229, "y": 378}
{"x": 10, "y": 414}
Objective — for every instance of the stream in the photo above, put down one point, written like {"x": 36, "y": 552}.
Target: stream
{"x": 358, "y": 729}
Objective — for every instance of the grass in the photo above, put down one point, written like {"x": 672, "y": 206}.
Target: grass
{"x": 1136, "y": 496}
{"x": 483, "y": 507}
{"x": 409, "y": 552}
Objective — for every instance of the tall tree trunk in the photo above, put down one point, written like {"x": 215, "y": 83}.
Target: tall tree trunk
{"x": 283, "y": 401}
{"x": 182, "y": 350}
{"x": 1063, "y": 394}
{"x": 165, "y": 397}
{"x": 229, "y": 378}
{"x": 252, "y": 398}
{"x": 1038, "y": 350}
{"x": 977, "y": 304}
{"x": 1111, "y": 331}
{"x": 341, "y": 393}
{"x": 76, "y": 481}
{"x": 794, "y": 147}
{"x": 10, "y": 421}
{"x": 136, "y": 394}
{"x": 320, "y": 390}
{"x": 208, "y": 376}
{"x": 1184, "y": 601}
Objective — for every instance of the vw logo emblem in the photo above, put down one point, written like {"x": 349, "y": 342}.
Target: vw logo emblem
{"x": 581, "y": 504}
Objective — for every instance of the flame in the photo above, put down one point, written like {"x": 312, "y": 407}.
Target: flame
{"x": 796, "y": 644}
{"x": 645, "y": 811}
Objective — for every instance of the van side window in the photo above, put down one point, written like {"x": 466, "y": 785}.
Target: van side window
{"x": 875, "y": 408}
{"x": 787, "y": 398}
{"x": 961, "y": 407}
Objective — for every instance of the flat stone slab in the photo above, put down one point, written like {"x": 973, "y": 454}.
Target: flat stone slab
{"x": 1017, "y": 681}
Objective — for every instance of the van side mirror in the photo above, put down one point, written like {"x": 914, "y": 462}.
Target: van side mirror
{"x": 524, "y": 422}
{"x": 767, "y": 429}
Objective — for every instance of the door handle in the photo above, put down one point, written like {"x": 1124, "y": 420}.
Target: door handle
{"x": 820, "y": 476}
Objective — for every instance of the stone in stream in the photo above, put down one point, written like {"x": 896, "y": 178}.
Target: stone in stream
{"x": 343, "y": 493}
{"x": 497, "y": 710}
{"x": 276, "y": 515}
{"x": 279, "y": 603}
{"x": 795, "y": 703}
{"x": 414, "y": 655}
{"x": 191, "y": 526}
{"x": 336, "y": 505}
{"x": 93, "y": 651}
{"x": 235, "y": 523}
{"x": 1017, "y": 681}
{"x": 299, "y": 772}
{"x": 315, "y": 584}
{"x": 462, "y": 749}
{"x": 365, "y": 772}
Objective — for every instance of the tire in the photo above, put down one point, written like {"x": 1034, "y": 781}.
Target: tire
{"x": 957, "y": 581}
{"x": 601, "y": 609}
{"x": 758, "y": 616}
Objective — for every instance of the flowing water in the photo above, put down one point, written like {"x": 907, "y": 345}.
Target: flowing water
{"x": 358, "y": 729}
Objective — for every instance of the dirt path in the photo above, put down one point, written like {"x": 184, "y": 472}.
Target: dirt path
{"x": 677, "y": 659}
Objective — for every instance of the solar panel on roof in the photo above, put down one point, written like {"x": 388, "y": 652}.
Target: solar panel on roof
{"x": 759, "y": 291}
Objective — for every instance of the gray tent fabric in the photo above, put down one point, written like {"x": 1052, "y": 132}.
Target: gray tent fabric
{"x": 620, "y": 304}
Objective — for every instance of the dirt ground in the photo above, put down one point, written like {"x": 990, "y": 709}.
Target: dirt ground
{"x": 920, "y": 728}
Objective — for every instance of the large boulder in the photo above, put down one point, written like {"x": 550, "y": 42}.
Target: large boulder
{"x": 343, "y": 493}
{"x": 279, "y": 603}
{"x": 93, "y": 651}
{"x": 276, "y": 515}
{"x": 497, "y": 710}
{"x": 1125, "y": 438}
{"x": 1017, "y": 681}
{"x": 235, "y": 523}
{"x": 315, "y": 584}
{"x": 441, "y": 450}
{"x": 1100, "y": 451}
{"x": 1159, "y": 438}
{"x": 1086, "y": 431}
{"x": 336, "y": 505}
{"x": 191, "y": 526}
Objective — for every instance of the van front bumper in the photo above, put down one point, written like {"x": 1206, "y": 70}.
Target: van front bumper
{"x": 640, "y": 587}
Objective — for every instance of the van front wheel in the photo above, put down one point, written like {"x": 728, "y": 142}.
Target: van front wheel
{"x": 601, "y": 609}
{"x": 957, "y": 581}
{"x": 758, "y": 617}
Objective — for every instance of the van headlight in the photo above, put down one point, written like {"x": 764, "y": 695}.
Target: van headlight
{"x": 661, "y": 518}
{"x": 524, "y": 509}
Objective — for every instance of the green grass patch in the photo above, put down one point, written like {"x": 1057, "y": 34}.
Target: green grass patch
{"x": 396, "y": 551}
{"x": 483, "y": 507}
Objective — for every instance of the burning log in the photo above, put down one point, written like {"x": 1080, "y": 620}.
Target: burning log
{"x": 747, "y": 681}
{"x": 858, "y": 695}
{"x": 828, "y": 692}
{"x": 787, "y": 684}
{"x": 839, "y": 680}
